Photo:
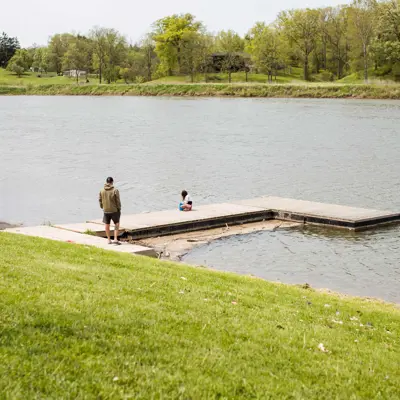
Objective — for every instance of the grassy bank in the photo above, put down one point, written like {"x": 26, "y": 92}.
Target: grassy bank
{"x": 76, "y": 322}
{"x": 10, "y": 79}
{"x": 287, "y": 85}
{"x": 209, "y": 90}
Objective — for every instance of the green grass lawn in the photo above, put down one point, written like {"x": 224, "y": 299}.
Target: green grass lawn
{"x": 379, "y": 76}
{"x": 9, "y": 78}
{"x": 77, "y": 322}
{"x": 31, "y": 78}
{"x": 295, "y": 78}
{"x": 239, "y": 77}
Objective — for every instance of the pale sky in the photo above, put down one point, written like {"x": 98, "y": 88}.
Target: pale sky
{"x": 34, "y": 21}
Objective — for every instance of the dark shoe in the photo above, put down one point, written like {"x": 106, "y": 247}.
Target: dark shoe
{"x": 117, "y": 243}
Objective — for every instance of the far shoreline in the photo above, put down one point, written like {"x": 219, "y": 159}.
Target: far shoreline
{"x": 312, "y": 91}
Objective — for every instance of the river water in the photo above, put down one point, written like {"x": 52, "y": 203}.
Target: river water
{"x": 57, "y": 151}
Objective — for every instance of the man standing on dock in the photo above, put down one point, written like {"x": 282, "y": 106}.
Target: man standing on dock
{"x": 110, "y": 203}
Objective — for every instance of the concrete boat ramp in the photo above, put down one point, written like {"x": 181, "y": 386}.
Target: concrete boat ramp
{"x": 61, "y": 235}
{"x": 161, "y": 223}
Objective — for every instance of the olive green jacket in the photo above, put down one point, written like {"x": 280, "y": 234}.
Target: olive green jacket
{"x": 109, "y": 199}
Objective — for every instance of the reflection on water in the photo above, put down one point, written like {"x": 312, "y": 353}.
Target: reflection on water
{"x": 364, "y": 263}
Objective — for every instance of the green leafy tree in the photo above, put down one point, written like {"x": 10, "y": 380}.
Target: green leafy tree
{"x": 386, "y": 44}
{"x": 112, "y": 73}
{"x": 58, "y": 46}
{"x": 126, "y": 74}
{"x": 301, "y": 28}
{"x": 231, "y": 47}
{"x": 17, "y": 69}
{"x": 98, "y": 36}
{"x": 20, "y": 62}
{"x": 41, "y": 59}
{"x": 266, "y": 48}
{"x": 387, "y": 17}
{"x": 205, "y": 52}
{"x": 168, "y": 35}
{"x": 192, "y": 53}
{"x": 109, "y": 50}
{"x": 134, "y": 65}
{"x": 8, "y": 47}
{"x": 77, "y": 56}
{"x": 147, "y": 48}
{"x": 387, "y": 53}
{"x": 335, "y": 30}
{"x": 116, "y": 50}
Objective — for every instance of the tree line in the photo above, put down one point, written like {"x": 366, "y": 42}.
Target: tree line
{"x": 332, "y": 42}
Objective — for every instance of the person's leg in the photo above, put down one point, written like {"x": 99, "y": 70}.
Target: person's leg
{"x": 187, "y": 207}
{"x": 107, "y": 221}
{"x": 116, "y": 228}
{"x": 116, "y": 217}
{"x": 108, "y": 233}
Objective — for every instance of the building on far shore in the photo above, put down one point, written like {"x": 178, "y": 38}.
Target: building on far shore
{"x": 73, "y": 73}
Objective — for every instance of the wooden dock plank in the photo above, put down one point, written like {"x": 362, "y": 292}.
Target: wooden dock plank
{"x": 324, "y": 214}
{"x": 333, "y": 211}
{"x": 169, "y": 217}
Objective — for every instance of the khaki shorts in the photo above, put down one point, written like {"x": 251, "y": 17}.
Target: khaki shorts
{"x": 108, "y": 217}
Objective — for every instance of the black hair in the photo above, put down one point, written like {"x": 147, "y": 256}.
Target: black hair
{"x": 184, "y": 194}
{"x": 110, "y": 180}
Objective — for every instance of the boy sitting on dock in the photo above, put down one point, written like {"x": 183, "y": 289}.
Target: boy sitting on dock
{"x": 187, "y": 203}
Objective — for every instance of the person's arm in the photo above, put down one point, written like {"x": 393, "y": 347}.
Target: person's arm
{"x": 117, "y": 200}
{"x": 100, "y": 201}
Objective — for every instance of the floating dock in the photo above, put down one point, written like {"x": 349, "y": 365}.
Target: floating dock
{"x": 162, "y": 223}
